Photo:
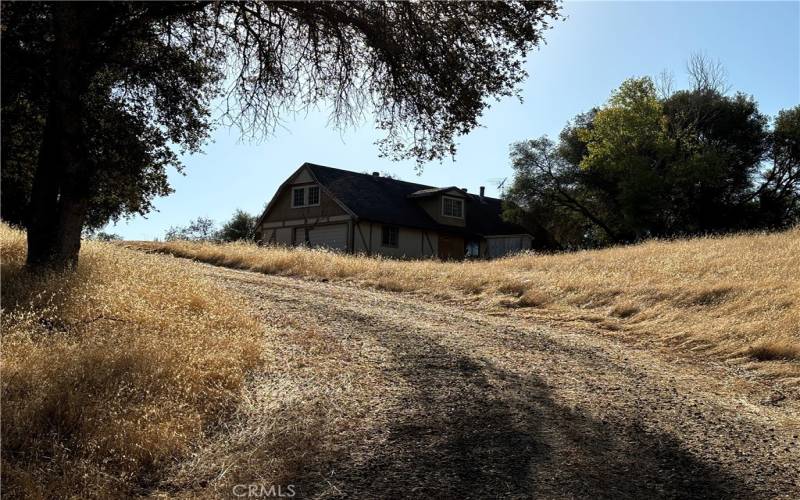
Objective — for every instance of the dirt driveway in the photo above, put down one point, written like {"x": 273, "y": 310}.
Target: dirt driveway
{"x": 470, "y": 402}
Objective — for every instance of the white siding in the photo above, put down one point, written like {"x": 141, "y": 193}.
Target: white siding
{"x": 412, "y": 243}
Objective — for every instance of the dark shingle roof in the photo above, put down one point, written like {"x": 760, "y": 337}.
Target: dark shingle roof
{"x": 485, "y": 217}
{"x": 389, "y": 201}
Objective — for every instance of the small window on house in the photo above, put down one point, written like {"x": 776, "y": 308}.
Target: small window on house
{"x": 299, "y": 197}
{"x": 390, "y": 236}
{"x": 313, "y": 195}
{"x": 305, "y": 196}
{"x": 452, "y": 207}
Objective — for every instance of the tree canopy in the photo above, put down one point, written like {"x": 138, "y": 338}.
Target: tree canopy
{"x": 199, "y": 229}
{"x": 692, "y": 161}
{"x": 98, "y": 98}
{"x": 240, "y": 227}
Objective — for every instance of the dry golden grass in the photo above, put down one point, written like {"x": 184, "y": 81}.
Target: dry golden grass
{"x": 734, "y": 298}
{"x": 113, "y": 373}
{"x": 145, "y": 374}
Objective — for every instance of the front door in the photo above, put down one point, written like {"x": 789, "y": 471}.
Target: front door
{"x": 451, "y": 247}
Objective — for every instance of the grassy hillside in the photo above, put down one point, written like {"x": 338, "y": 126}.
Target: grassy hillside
{"x": 133, "y": 375}
{"x": 734, "y": 298}
{"x": 114, "y": 373}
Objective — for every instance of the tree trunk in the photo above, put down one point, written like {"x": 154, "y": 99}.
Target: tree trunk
{"x": 60, "y": 195}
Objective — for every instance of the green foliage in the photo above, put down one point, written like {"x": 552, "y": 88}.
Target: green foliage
{"x": 779, "y": 195}
{"x": 628, "y": 133}
{"x": 693, "y": 161}
{"x": 787, "y": 138}
{"x": 103, "y": 236}
{"x": 20, "y": 132}
{"x": 240, "y": 227}
{"x": 147, "y": 95}
{"x": 719, "y": 145}
{"x": 199, "y": 229}
{"x": 554, "y": 197}
{"x": 627, "y": 148}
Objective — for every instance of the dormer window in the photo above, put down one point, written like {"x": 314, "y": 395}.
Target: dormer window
{"x": 452, "y": 207}
{"x": 312, "y": 193}
{"x": 298, "y": 197}
{"x": 305, "y": 196}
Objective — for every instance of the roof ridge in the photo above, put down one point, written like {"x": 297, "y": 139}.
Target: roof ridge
{"x": 423, "y": 186}
{"x": 369, "y": 176}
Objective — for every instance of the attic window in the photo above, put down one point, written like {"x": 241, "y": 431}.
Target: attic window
{"x": 305, "y": 196}
{"x": 313, "y": 195}
{"x": 452, "y": 207}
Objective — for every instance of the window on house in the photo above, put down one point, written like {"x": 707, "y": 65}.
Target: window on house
{"x": 298, "y": 197}
{"x": 390, "y": 236}
{"x": 452, "y": 207}
{"x": 305, "y": 196}
{"x": 313, "y": 195}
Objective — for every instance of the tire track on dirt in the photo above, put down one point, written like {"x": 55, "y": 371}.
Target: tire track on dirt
{"x": 495, "y": 408}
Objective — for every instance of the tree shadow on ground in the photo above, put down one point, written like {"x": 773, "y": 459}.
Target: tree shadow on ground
{"x": 471, "y": 430}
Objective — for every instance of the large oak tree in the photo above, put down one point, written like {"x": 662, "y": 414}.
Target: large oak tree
{"x": 99, "y": 98}
{"x": 693, "y": 161}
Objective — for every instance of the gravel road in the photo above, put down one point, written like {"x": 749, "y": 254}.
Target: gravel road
{"x": 481, "y": 402}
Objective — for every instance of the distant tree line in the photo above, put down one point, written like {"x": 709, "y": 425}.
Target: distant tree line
{"x": 101, "y": 236}
{"x": 240, "y": 227}
{"x": 654, "y": 162}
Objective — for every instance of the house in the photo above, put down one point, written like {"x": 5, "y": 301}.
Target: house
{"x": 361, "y": 213}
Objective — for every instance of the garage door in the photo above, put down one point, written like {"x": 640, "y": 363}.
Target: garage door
{"x": 333, "y": 236}
{"x": 499, "y": 247}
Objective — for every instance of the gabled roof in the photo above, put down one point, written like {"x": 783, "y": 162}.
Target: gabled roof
{"x": 391, "y": 201}
{"x": 369, "y": 197}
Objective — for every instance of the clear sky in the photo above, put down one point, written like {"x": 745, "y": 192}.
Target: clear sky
{"x": 599, "y": 45}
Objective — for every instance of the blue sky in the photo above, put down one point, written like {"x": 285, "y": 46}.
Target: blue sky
{"x": 599, "y": 45}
